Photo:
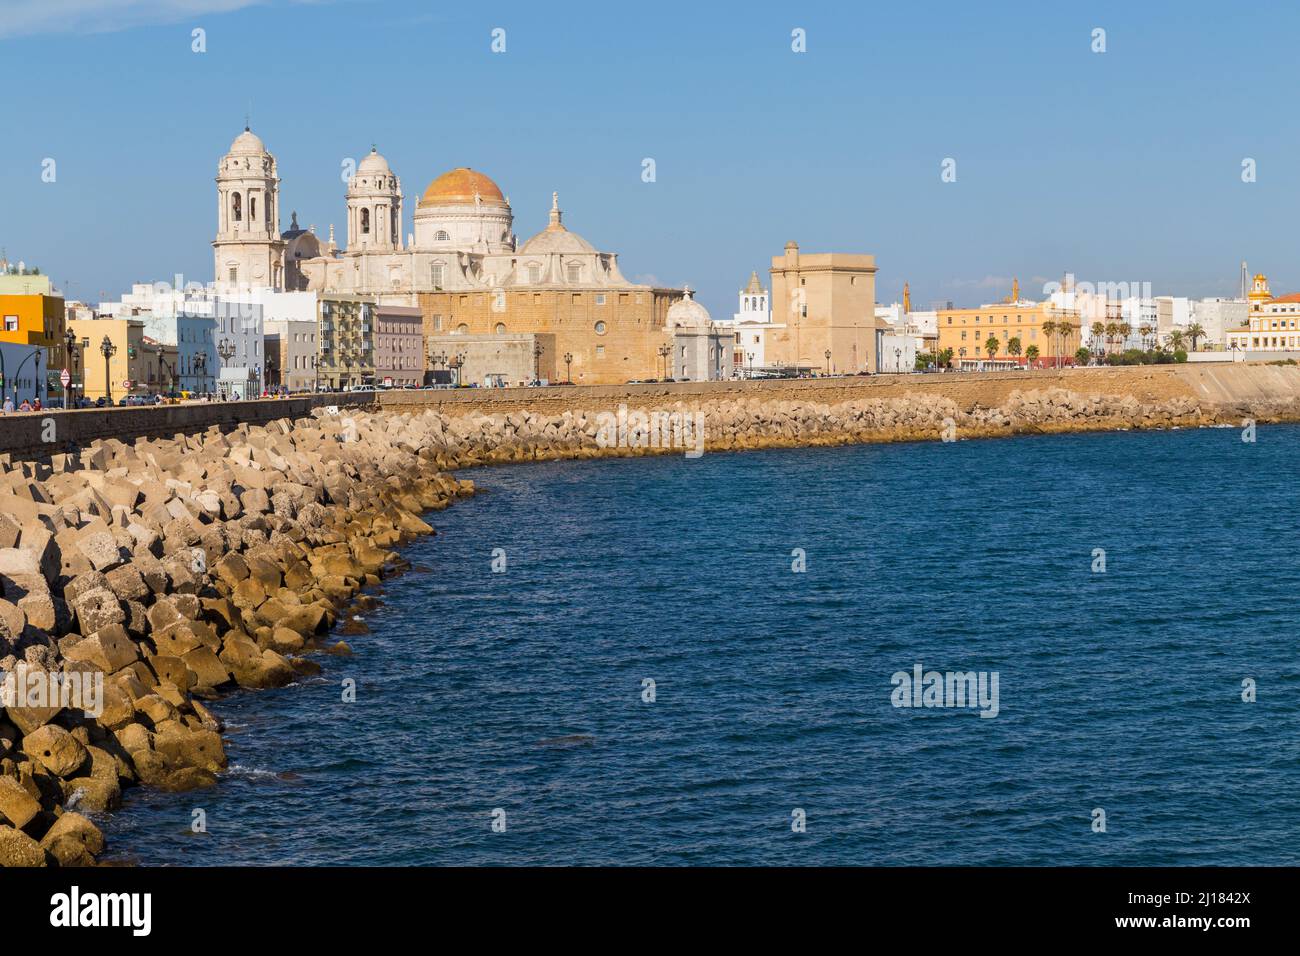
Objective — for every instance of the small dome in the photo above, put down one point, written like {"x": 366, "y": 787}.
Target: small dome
{"x": 555, "y": 238}
{"x": 687, "y": 312}
{"x": 459, "y": 187}
{"x": 248, "y": 142}
{"x": 374, "y": 164}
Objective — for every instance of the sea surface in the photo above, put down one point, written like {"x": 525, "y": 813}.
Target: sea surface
{"x": 503, "y": 717}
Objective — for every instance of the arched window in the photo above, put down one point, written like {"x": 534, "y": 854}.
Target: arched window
{"x": 365, "y": 222}
{"x": 441, "y": 235}
{"x": 462, "y": 329}
{"x": 501, "y": 328}
{"x": 237, "y": 208}
{"x": 252, "y": 209}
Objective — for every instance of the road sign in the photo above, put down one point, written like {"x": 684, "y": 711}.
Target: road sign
{"x": 127, "y": 383}
{"x": 65, "y": 378}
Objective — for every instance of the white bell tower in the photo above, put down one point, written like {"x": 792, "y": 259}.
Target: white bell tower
{"x": 248, "y": 251}
{"x": 374, "y": 206}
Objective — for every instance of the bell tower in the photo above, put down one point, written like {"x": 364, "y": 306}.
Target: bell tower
{"x": 374, "y": 206}
{"x": 248, "y": 251}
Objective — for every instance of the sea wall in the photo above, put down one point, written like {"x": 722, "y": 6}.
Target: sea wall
{"x": 174, "y": 567}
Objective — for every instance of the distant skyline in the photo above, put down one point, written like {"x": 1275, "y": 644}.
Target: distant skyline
{"x": 1122, "y": 166}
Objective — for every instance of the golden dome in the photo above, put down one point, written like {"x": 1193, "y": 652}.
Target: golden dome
{"x": 459, "y": 187}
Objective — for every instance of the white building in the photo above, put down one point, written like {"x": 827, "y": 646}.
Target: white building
{"x": 1218, "y": 317}
{"x": 702, "y": 350}
{"x": 752, "y": 324}
{"x": 184, "y": 318}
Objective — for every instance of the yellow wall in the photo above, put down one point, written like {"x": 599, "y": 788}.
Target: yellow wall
{"x": 126, "y": 334}
{"x": 612, "y": 341}
{"x": 40, "y": 321}
{"x": 969, "y": 329}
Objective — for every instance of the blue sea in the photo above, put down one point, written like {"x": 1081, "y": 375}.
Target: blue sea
{"x": 506, "y": 716}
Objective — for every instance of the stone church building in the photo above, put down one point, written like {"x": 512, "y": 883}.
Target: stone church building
{"x": 461, "y": 264}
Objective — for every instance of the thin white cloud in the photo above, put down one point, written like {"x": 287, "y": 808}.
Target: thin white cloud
{"x": 31, "y": 17}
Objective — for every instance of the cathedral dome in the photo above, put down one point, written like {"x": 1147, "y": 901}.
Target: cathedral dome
{"x": 248, "y": 142}
{"x": 687, "y": 312}
{"x": 555, "y": 238}
{"x": 459, "y": 187}
{"x": 374, "y": 163}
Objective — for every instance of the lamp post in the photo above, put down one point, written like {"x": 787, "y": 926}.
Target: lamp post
{"x": 200, "y": 367}
{"x": 664, "y": 352}
{"x": 455, "y": 363}
{"x": 71, "y": 340}
{"x": 225, "y": 349}
{"x": 538, "y": 349}
{"x": 108, "y": 350}
{"x": 828, "y": 361}
{"x": 568, "y": 374}
{"x": 898, "y": 359}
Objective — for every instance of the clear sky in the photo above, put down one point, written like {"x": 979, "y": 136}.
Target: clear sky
{"x": 1122, "y": 166}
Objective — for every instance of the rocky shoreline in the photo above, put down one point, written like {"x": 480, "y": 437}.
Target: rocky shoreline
{"x": 173, "y": 570}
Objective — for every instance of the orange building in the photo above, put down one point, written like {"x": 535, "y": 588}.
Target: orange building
{"x": 37, "y": 319}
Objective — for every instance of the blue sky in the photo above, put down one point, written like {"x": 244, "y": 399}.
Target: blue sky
{"x": 1123, "y": 166}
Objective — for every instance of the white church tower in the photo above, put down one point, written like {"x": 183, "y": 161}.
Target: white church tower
{"x": 374, "y": 206}
{"x": 752, "y": 323}
{"x": 248, "y": 251}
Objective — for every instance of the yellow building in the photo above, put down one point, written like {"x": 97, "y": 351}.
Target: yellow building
{"x": 1272, "y": 323}
{"x": 823, "y": 303}
{"x": 1016, "y": 323}
{"x": 128, "y": 368}
{"x": 36, "y": 319}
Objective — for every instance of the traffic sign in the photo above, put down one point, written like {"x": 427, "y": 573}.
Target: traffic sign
{"x": 65, "y": 378}
{"x": 127, "y": 383}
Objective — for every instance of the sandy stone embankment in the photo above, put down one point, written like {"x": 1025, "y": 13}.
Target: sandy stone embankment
{"x": 174, "y": 569}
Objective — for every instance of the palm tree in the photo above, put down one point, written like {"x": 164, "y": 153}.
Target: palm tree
{"x": 1125, "y": 330}
{"x": 1145, "y": 330}
{"x": 1031, "y": 355}
{"x": 1013, "y": 347}
{"x": 992, "y": 346}
{"x": 1065, "y": 330}
{"x": 1049, "y": 331}
{"x": 1195, "y": 331}
{"x": 1098, "y": 330}
{"x": 1176, "y": 339}
{"x": 1112, "y": 330}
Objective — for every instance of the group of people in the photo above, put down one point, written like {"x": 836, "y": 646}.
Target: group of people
{"x": 27, "y": 406}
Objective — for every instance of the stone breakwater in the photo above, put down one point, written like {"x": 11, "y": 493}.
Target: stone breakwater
{"x": 170, "y": 570}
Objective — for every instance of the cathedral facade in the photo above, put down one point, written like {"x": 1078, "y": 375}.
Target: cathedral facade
{"x": 461, "y": 263}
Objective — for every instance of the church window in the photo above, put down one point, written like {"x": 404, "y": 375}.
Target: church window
{"x": 600, "y": 328}
{"x": 600, "y": 299}
{"x": 365, "y": 222}
{"x": 435, "y": 274}
{"x": 441, "y": 235}
{"x": 462, "y": 329}
{"x": 237, "y": 208}
{"x": 500, "y": 328}
{"x": 534, "y": 273}
{"x": 234, "y": 274}
{"x": 600, "y": 351}
{"x": 575, "y": 272}
{"x": 252, "y": 208}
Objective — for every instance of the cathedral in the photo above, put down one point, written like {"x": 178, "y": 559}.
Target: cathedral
{"x": 461, "y": 264}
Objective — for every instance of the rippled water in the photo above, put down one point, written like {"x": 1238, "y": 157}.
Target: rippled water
{"x": 523, "y": 690}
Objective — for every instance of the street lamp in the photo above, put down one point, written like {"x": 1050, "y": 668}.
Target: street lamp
{"x": 538, "y": 349}
{"x": 828, "y": 361}
{"x": 71, "y": 340}
{"x": 568, "y": 374}
{"x": 108, "y": 350}
{"x": 898, "y": 359}
{"x": 200, "y": 368}
{"x": 225, "y": 349}
{"x": 664, "y": 352}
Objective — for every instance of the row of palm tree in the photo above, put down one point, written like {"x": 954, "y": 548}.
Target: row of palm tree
{"x": 1112, "y": 332}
